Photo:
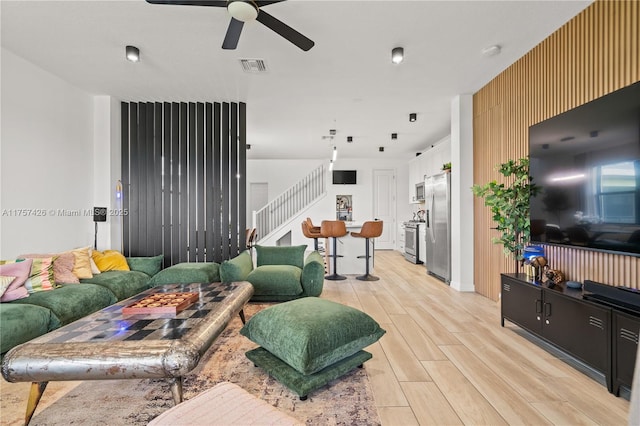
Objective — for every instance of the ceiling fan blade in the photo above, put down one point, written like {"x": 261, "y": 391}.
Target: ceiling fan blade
{"x": 285, "y": 31}
{"x": 233, "y": 34}
{"x": 213, "y": 3}
{"x": 261, "y": 3}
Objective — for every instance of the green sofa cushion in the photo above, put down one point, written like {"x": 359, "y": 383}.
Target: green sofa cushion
{"x": 123, "y": 284}
{"x": 148, "y": 265}
{"x": 236, "y": 269}
{"x": 71, "y": 301}
{"x": 21, "y": 323}
{"x": 280, "y": 280}
{"x": 310, "y": 334}
{"x": 280, "y": 255}
{"x": 187, "y": 273}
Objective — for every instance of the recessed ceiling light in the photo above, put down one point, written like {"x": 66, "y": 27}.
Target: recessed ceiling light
{"x": 413, "y": 117}
{"x": 248, "y": 146}
{"x": 397, "y": 55}
{"x": 394, "y": 136}
{"x": 381, "y": 148}
{"x": 132, "y": 53}
{"x": 349, "y": 139}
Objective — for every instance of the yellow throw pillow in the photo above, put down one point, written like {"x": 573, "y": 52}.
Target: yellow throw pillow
{"x": 110, "y": 260}
{"x": 82, "y": 265}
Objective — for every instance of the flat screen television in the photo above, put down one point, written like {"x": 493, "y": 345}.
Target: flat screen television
{"x": 344, "y": 177}
{"x": 587, "y": 161}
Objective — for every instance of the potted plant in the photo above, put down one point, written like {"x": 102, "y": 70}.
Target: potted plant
{"x": 509, "y": 204}
{"x": 446, "y": 167}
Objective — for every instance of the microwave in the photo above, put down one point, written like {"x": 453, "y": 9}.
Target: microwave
{"x": 419, "y": 191}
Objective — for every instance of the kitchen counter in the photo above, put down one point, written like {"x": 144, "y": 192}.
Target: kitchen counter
{"x": 350, "y": 248}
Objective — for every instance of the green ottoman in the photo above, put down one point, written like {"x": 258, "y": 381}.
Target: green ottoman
{"x": 187, "y": 273}
{"x": 308, "y": 342}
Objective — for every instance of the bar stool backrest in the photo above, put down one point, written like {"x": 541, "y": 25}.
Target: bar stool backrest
{"x": 333, "y": 228}
{"x": 371, "y": 229}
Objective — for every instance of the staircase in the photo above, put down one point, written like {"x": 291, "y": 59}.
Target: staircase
{"x": 290, "y": 203}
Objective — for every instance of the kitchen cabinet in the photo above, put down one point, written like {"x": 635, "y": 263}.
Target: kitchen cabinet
{"x": 422, "y": 243}
{"x": 561, "y": 317}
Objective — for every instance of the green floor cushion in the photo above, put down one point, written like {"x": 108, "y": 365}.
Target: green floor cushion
{"x": 277, "y": 280}
{"x": 280, "y": 255}
{"x": 236, "y": 269}
{"x": 300, "y": 383}
{"x": 21, "y": 323}
{"x": 187, "y": 273}
{"x": 310, "y": 334}
{"x": 71, "y": 301}
{"x": 123, "y": 284}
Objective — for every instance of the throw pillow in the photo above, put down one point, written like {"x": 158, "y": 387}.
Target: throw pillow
{"x": 148, "y": 265}
{"x": 236, "y": 269}
{"x": 310, "y": 334}
{"x": 94, "y": 267}
{"x": 82, "y": 265}
{"x": 62, "y": 266}
{"x": 4, "y": 283}
{"x": 281, "y": 255}
{"x": 110, "y": 260}
{"x": 41, "y": 275}
{"x": 19, "y": 270}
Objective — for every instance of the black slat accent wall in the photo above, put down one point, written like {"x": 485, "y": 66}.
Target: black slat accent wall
{"x": 184, "y": 180}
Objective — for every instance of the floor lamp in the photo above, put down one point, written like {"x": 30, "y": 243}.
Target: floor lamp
{"x": 99, "y": 215}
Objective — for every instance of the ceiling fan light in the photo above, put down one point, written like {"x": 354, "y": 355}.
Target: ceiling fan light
{"x": 244, "y": 11}
{"x": 397, "y": 55}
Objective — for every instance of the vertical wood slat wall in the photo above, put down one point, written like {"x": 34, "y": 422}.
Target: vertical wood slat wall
{"x": 595, "y": 53}
{"x": 184, "y": 190}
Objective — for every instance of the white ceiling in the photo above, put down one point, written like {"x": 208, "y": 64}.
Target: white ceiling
{"x": 346, "y": 82}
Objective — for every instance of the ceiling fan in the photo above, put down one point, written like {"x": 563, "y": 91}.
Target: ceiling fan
{"x": 242, "y": 11}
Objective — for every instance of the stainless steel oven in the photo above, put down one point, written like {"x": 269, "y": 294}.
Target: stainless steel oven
{"x": 411, "y": 233}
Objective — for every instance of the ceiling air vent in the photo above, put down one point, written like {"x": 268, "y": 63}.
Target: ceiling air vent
{"x": 253, "y": 65}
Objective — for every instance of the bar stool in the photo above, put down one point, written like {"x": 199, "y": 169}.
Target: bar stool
{"x": 371, "y": 229}
{"x": 312, "y": 233}
{"x": 334, "y": 229}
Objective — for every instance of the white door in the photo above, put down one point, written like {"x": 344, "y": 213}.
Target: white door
{"x": 258, "y": 198}
{"x": 384, "y": 206}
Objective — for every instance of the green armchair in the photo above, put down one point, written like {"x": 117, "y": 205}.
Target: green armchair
{"x": 281, "y": 273}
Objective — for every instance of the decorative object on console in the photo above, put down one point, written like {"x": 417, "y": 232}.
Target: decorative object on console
{"x": 553, "y": 275}
{"x": 573, "y": 284}
{"x": 509, "y": 206}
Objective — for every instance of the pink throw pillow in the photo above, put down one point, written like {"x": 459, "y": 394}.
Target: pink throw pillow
{"x": 62, "y": 266}
{"x": 21, "y": 271}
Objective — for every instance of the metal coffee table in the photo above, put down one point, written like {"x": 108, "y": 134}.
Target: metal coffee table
{"x": 109, "y": 345}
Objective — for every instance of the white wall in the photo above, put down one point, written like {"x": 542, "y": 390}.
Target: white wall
{"x": 281, "y": 174}
{"x": 46, "y": 152}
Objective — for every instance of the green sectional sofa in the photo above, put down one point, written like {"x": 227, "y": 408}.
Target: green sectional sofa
{"x": 25, "y": 319}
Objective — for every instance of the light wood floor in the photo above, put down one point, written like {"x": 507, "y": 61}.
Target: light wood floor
{"x": 444, "y": 360}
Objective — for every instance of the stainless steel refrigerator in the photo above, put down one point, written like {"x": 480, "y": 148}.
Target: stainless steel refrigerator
{"x": 438, "y": 225}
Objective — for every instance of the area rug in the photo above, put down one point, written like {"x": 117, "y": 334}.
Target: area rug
{"x": 344, "y": 401}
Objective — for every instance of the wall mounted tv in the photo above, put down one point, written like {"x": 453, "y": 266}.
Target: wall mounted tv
{"x": 344, "y": 177}
{"x": 587, "y": 161}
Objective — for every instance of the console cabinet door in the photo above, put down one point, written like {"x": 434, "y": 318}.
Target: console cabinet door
{"x": 522, "y": 304}
{"x": 579, "y": 328}
{"x": 625, "y": 341}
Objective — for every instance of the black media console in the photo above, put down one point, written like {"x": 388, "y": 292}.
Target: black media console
{"x": 598, "y": 325}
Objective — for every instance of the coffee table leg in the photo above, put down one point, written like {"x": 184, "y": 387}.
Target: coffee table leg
{"x": 37, "y": 389}
{"x": 242, "y": 316}
{"x": 176, "y": 389}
